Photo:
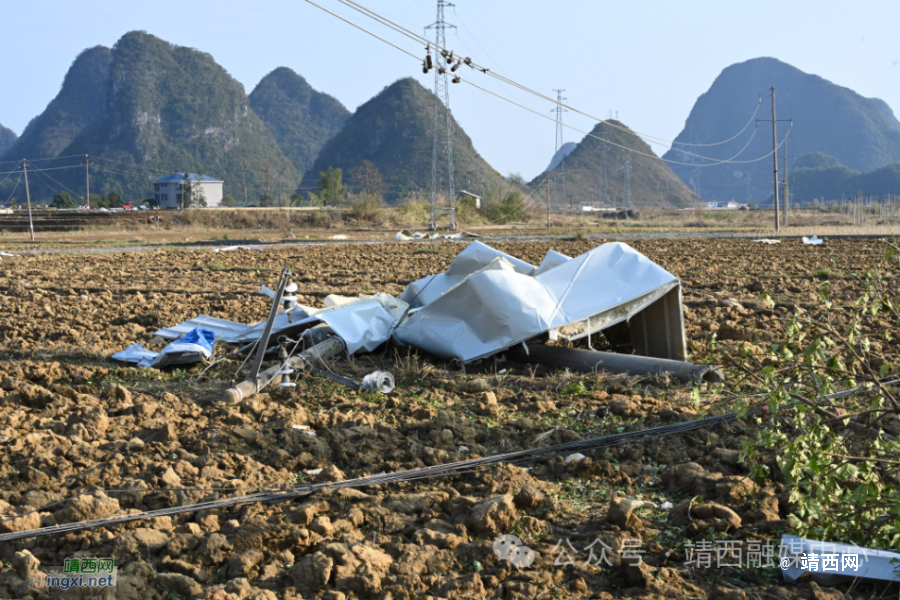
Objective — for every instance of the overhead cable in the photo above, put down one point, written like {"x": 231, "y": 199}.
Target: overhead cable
{"x": 421, "y": 39}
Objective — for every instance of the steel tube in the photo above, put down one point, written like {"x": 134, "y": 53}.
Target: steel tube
{"x": 588, "y": 361}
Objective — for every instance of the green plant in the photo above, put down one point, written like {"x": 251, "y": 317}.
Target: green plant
{"x": 64, "y": 200}
{"x": 332, "y": 191}
{"x": 366, "y": 208}
{"x": 829, "y": 446}
{"x": 573, "y": 387}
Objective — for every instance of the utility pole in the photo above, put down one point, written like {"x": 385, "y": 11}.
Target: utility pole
{"x": 87, "y": 180}
{"x": 559, "y": 183}
{"x": 28, "y": 198}
{"x": 441, "y": 95}
{"x": 775, "y": 155}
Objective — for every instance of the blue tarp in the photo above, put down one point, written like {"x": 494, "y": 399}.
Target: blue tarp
{"x": 196, "y": 345}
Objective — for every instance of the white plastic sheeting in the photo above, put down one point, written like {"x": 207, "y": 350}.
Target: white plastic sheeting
{"x": 813, "y": 241}
{"x": 488, "y": 301}
{"x": 833, "y": 562}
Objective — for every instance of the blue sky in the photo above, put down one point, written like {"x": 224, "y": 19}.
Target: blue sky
{"x": 647, "y": 60}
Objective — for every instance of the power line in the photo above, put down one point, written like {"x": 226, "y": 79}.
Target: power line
{"x": 752, "y": 117}
{"x": 47, "y": 169}
{"x": 42, "y": 159}
{"x": 42, "y": 174}
{"x": 633, "y": 151}
{"x": 404, "y": 31}
{"x": 15, "y": 187}
{"x": 408, "y": 33}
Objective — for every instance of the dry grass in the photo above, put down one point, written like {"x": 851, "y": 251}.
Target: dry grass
{"x": 378, "y": 222}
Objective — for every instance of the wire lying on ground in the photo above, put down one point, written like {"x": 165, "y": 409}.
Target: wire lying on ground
{"x": 446, "y": 470}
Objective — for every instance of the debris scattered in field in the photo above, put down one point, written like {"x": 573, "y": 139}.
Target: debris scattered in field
{"x": 379, "y": 381}
{"x": 767, "y": 241}
{"x": 406, "y": 235}
{"x": 190, "y": 471}
{"x": 577, "y": 456}
{"x": 479, "y": 306}
{"x": 195, "y": 346}
{"x": 364, "y": 323}
{"x": 7, "y": 254}
{"x": 486, "y": 302}
{"x": 339, "y": 237}
{"x": 813, "y": 241}
{"x": 231, "y": 248}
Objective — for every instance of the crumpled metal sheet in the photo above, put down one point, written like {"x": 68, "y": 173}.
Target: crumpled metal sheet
{"x": 474, "y": 258}
{"x": 802, "y": 558}
{"x": 363, "y": 323}
{"x": 474, "y": 310}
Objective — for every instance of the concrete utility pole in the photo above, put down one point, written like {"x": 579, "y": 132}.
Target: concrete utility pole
{"x": 87, "y": 180}
{"x": 28, "y": 198}
{"x": 775, "y": 157}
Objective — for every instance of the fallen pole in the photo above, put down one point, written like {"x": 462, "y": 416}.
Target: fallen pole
{"x": 589, "y": 361}
{"x": 324, "y": 350}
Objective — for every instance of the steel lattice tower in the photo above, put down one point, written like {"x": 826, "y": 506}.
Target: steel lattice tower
{"x": 559, "y": 182}
{"x": 441, "y": 105}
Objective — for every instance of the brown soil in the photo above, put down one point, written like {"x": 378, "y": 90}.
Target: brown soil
{"x": 73, "y": 422}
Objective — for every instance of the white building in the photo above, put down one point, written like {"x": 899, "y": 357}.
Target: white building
{"x": 730, "y": 205}
{"x": 167, "y": 190}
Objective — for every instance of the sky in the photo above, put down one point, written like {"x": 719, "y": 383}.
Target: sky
{"x": 646, "y": 61}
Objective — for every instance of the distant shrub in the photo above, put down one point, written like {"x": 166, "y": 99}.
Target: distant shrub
{"x": 366, "y": 208}
{"x": 414, "y": 210}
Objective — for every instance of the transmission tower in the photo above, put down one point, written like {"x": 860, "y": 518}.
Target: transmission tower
{"x": 559, "y": 181}
{"x": 441, "y": 117}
